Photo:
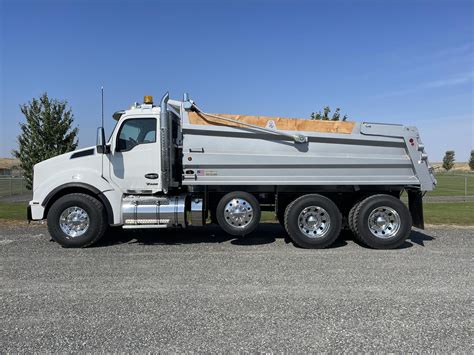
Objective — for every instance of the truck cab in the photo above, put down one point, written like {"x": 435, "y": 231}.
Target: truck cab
{"x": 128, "y": 164}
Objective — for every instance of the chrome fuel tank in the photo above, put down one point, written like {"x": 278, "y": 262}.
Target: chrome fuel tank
{"x": 152, "y": 210}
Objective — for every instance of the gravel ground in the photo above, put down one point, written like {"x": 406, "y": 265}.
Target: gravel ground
{"x": 199, "y": 290}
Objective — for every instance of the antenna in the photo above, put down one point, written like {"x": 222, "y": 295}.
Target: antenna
{"x": 102, "y": 129}
{"x": 102, "y": 97}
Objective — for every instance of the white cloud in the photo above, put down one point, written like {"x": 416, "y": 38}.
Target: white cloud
{"x": 435, "y": 84}
{"x": 461, "y": 79}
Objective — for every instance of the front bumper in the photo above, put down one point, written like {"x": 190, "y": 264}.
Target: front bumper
{"x": 34, "y": 211}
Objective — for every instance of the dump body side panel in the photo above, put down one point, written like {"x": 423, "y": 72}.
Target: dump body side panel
{"x": 223, "y": 155}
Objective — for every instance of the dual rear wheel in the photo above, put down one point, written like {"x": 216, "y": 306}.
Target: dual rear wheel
{"x": 313, "y": 221}
{"x": 380, "y": 222}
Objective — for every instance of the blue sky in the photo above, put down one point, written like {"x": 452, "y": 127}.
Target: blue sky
{"x": 408, "y": 62}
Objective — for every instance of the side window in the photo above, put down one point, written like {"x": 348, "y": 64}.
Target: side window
{"x": 136, "y": 131}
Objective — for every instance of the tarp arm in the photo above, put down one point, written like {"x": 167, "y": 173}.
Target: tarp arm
{"x": 298, "y": 138}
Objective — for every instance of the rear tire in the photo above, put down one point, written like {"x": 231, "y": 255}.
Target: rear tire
{"x": 382, "y": 222}
{"x": 313, "y": 221}
{"x": 350, "y": 219}
{"x": 238, "y": 213}
{"x": 77, "y": 220}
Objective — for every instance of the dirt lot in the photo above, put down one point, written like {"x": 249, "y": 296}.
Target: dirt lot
{"x": 199, "y": 290}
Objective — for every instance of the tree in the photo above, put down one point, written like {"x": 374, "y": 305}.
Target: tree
{"x": 471, "y": 160}
{"x": 448, "y": 160}
{"x": 325, "y": 115}
{"x": 47, "y": 132}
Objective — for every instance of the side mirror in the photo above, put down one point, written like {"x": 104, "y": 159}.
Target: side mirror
{"x": 101, "y": 146}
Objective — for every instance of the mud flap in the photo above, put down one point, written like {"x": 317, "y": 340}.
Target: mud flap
{"x": 28, "y": 214}
{"x": 415, "y": 205}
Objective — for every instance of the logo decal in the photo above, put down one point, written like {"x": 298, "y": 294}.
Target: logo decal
{"x": 271, "y": 124}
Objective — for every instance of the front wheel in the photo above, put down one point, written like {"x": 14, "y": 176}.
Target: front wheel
{"x": 382, "y": 222}
{"x": 76, "y": 220}
{"x": 313, "y": 221}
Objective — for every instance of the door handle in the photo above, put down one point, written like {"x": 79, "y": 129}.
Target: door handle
{"x": 151, "y": 176}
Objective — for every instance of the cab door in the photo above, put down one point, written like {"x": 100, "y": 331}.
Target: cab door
{"x": 134, "y": 160}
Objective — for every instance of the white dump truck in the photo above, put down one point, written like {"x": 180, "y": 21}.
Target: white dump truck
{"x": 174, "y": 165}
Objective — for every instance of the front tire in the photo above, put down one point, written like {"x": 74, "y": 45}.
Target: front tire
{"x": 382, "y": 222}
{"x": 77, "y": 220}
{"x": 313, "y": 221}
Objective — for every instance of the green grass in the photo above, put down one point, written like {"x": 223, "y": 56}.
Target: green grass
{"x": 268, "y": 216}
{"x": 452, "y": 184}
{"x": 13, "y": 210}
{"x": 461, "y": 213}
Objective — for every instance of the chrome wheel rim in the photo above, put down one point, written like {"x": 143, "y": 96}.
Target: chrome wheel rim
{"x": 238, "y": 213}
{"x": 384, "y": 222}
{"x": 74, "y": 221}
{"x": 314, "y": 222}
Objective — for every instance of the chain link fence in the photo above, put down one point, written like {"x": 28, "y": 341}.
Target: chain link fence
{"x": 10, "y": 186}
{"x": 454, "y": 184}
{"x": 449, "y": 184}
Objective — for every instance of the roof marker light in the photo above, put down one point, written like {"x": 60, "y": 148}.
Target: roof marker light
{"x": 147, "y": 99}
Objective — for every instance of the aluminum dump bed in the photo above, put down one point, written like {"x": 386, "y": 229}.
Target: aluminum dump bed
{"x": 217, "y": 152}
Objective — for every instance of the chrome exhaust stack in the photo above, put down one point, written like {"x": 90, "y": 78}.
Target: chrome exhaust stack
{"x": 165, "y": 143}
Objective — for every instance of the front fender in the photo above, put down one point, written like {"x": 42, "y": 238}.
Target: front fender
{"x": 56, "y": 185}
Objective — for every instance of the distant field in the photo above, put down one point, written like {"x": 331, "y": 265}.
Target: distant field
{"x": 458, "y": 166}
{"x": 8, "y": 163}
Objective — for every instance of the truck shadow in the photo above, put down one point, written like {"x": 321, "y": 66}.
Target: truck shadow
{"x": 416, "y": 237}
{"x": 266, "y": 233}
{"x": 419, "y": 237}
